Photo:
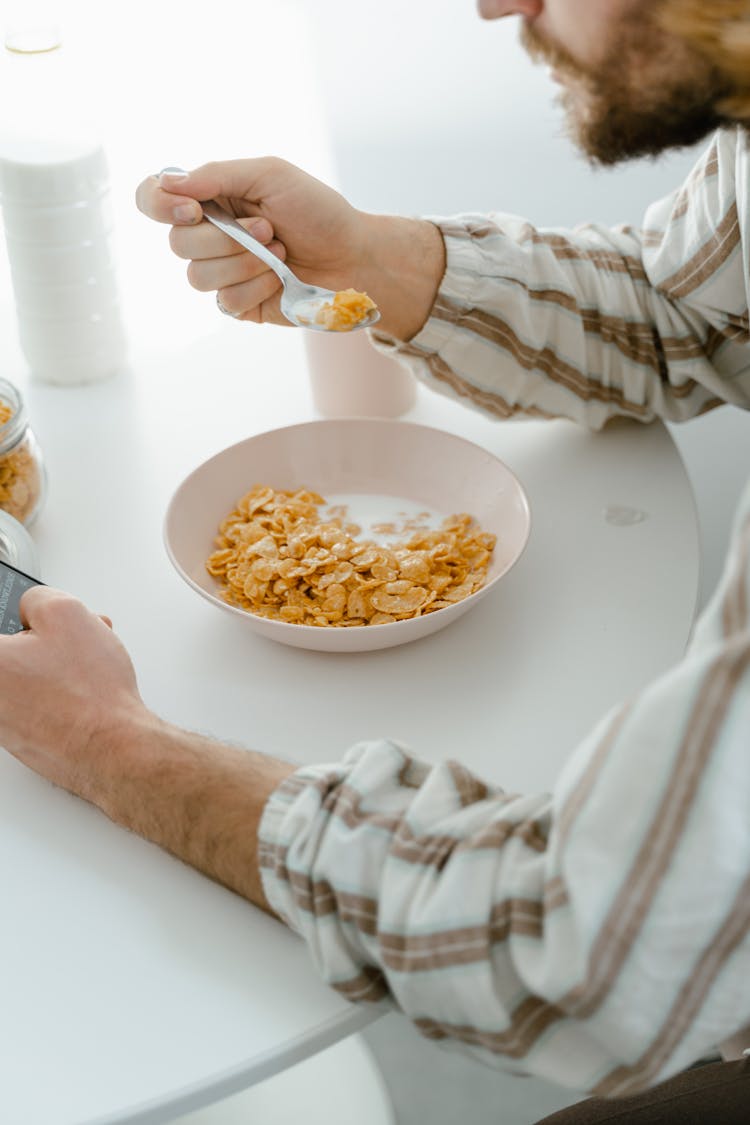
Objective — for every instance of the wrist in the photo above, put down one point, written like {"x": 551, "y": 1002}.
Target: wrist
{"x": 404, "y": 260}
{"x": 108, "y": 742}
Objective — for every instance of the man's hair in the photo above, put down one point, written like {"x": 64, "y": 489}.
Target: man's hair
{"x": 720, "y": 29}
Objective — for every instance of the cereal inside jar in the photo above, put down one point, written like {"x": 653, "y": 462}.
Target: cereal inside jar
{"x": 22, "y": 476}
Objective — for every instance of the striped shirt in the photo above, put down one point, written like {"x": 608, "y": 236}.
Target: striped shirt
{"x": 598, "y": 936}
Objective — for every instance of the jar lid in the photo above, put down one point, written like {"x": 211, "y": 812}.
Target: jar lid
{"x": 17, "y": 547}
{"x": 44, "y": 172}
{"x": 14, "y": 426}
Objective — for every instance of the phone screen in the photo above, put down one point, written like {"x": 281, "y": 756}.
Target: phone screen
{"x": 13, "y": 583}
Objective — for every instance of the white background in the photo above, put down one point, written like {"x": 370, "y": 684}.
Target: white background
{"x": 428, "y": 110}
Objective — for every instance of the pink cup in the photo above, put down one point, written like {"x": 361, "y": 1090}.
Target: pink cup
{"x": 349, "y": 378}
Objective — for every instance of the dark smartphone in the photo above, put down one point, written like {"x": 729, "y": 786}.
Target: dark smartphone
{"x": 13, "y": 583}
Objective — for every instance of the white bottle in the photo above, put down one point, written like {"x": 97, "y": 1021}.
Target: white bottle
{"x": 57, "y": 215}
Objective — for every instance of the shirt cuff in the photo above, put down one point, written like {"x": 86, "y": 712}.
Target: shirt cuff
{"x": 276, "y": 829}
{"x": 457, "y": 292}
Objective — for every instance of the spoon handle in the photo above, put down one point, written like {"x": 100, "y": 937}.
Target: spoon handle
{"x": 224, "y": 221}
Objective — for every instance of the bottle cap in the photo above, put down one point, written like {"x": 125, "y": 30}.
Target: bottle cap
{"x": 31, "y": 27}
{"x": 32, "y": 38}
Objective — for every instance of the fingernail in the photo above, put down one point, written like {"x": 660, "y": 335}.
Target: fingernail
{"x": 172, "y": 177}
{"x": 222, "y": 309}
{"x": 185, "y": 213}
{"x": 260, "y": 230}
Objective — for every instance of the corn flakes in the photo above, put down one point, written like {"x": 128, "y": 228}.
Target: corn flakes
{"x": 347, "y": 309}
{"x": 20, "y": 475}
{"x": 279, "y": 558}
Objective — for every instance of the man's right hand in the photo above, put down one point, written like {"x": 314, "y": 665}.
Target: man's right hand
{"x": 323, "y": 239}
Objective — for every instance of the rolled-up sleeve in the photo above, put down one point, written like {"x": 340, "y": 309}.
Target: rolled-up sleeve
{"x": 597, "y": 322}
{"x": 598, "y": 935}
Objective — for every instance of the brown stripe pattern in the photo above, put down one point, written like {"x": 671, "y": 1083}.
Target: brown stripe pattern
{"x": 449, "y": 947}
{"x": 732, "y": 931}
{"x": 616, "y": 938}
{"x": 492, "y": 402}
{"x": 376, "y": 904}
{"x": 640, "y": 296}
{"x": 638, "y": 341}
{"x": 707, "y": 169}
{"x": 582, "y": 791}
{"x": 734, "y": 614}
{"x": 566, "y": 250}
{"x": 367, "y": 986}
{"x": 714, "y": 253}
{"x": 496, "y": 331}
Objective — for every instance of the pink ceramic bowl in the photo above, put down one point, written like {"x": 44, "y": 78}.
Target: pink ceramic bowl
{"x": 360, "y": 457}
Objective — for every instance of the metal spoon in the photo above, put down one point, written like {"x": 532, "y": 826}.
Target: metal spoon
{"x": 299, "y": 302}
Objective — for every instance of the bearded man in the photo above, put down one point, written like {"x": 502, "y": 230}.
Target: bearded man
{"x": 521, "y": 927}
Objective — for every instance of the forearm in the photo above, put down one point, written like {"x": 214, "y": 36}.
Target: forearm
{"x": 403, "y": 267}
{"x": 70, "y": 710}
{"x": 198, "y": 799}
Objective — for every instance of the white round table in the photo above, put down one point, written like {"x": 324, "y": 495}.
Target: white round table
{"x": 133, "y": 988}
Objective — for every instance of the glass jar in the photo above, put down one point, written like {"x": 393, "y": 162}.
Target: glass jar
{"x": 22, "y": 476}
{"x": 17, "y": 547}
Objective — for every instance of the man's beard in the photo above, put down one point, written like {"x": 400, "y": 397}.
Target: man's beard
{"x": 649, "y": 92}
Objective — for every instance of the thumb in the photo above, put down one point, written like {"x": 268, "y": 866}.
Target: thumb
{"x": 250, "y": 179}
{"x": 175, "y": 183}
